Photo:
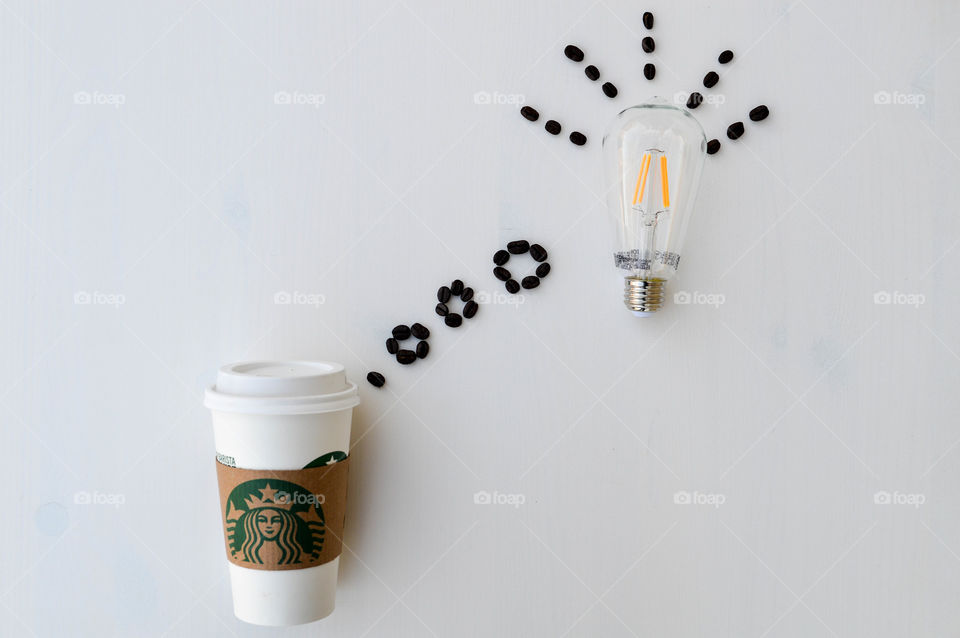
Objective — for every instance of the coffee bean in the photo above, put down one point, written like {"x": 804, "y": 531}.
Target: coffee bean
{"x": 442, "y": 309}
{"x": 759, "y": 113}
{"x": 443, "y": 294}
{"x": 456, "y": 287}
{"x": 501, "y": 273}
{"x": 578, "y": 138}
{"x": 649, "y": 70}
{"x": 501, "y": 257}
{"x": 543, "y": 270}
{"x": 573, "y": 52}
{"x": 694, "y": 100}
{"x": 725, "y": 57}
{"x": 735, "y": 130}
{"x": 470, "y": 309}
{"x": 710, "y": 79}
{"x": 420, "y": 331}
{"x": 713, "y": 146}
{"x": 648, "y": 44}
{"x": 518, "y": 247}
{"x": 376, "y": 379}
{"x": 647, "y": 20}
{"x": 392, "y": 345}
{"x": 453, "y": 320}
{"x": 609, "y": 89}
{"x": 530, "y": 282}
{"x": 466, "y": 295}
{"x": 530, "y": 113}
{"x": 592, "y": 72}
{"x": 512, "y": 286}
{"x": 552, "y": 127}
{"x": 538, "y": 252}
{"x": 423, "y": 348}
{"x": 401, "y": 332}
{"x": 406, "y": 357}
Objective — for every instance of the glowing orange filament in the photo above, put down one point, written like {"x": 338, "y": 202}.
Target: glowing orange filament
{"x": 641, "y": 179}
{"x": 663, "y": 181}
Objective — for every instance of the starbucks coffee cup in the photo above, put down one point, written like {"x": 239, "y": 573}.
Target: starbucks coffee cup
{"x": 282, "y": 433}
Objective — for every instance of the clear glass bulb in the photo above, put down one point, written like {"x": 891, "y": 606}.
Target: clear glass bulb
{"x": 653, "y": 156}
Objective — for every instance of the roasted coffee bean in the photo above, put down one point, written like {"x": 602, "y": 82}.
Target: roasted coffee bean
{"x": 466, "y": 295}
{"x": 648, "y": 44}
{"x": 392, "y": 345}
{"x": 578, "y": 138}
{"x": 512, "y": 286}
{"x": 735, "y": 130}
{"x": 647, "y": 20}
{"x": 530, "y": 113}
{"x": 713, "y": 146}
{"x": 406, "y": 357}
{"x": 443, "y": 294}
{"x": 456, "y": 287}
{"x": 573, "y": 52}
{"x": 609, "y": 89}
{"x": 759, "y": 113}
{"x": 592, "y": 72}
{"x": 501, "y": 273}
{"x": 376, "y": 379}
{"x": 649, "y": 70}
{"x": 725, "y": 57}
{"x": 401, "y": 332}
{"x": 710, "y": 79}
{"x": 470, "y": 309}
{"x": 543, "y": 270}
{"x": 538, "y": 252}
{"x": 518, "y": 247}
{"x": 453, "y": 320}
{"x": 694, "y": 100}
{"x": 501, "y": 257}
{"x": 420, "y": 331}
{"x": 552, "y": 127}
{"x": 423, "y": 348}
{"x": 442, "y": 309}
{"x": 530, "y": 282}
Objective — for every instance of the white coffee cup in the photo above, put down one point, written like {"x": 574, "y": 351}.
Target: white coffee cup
{"x": 281, "y": 415}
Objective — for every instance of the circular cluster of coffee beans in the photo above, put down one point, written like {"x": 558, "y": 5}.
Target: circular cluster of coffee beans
{"x": 520, "y": 247}
{"x": 404, "y": 332}
{"x": 465, "y": 293}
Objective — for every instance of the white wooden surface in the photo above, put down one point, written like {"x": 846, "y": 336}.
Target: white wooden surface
{"x": 184, "y": 197}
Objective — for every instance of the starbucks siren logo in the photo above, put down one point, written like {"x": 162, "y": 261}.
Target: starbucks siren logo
{"x": 274, "y": 522}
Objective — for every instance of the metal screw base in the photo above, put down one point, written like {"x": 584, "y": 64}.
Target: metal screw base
{"x": 643, "y": 295}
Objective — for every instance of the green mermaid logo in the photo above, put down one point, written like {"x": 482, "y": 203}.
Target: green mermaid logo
{"x": 272, "y": 522}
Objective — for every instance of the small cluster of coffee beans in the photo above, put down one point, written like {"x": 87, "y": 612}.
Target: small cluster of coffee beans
{"x": 552, "y": 126}
{"x": 446, "y": 293}
{"x": 648, "y": 45}
{"x": 575, "y": 53}
{"x": 404, "y": 332}
{"x": 519, "y": 247}
{"x": 757, "y": 114}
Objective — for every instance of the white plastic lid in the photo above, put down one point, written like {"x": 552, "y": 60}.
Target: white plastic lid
{"x": 281, "y": 387}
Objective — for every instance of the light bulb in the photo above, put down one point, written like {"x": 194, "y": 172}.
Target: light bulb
{"x": 653, "y": 156}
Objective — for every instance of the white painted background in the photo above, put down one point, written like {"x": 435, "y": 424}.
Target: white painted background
{"x": 199, "y": 198}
